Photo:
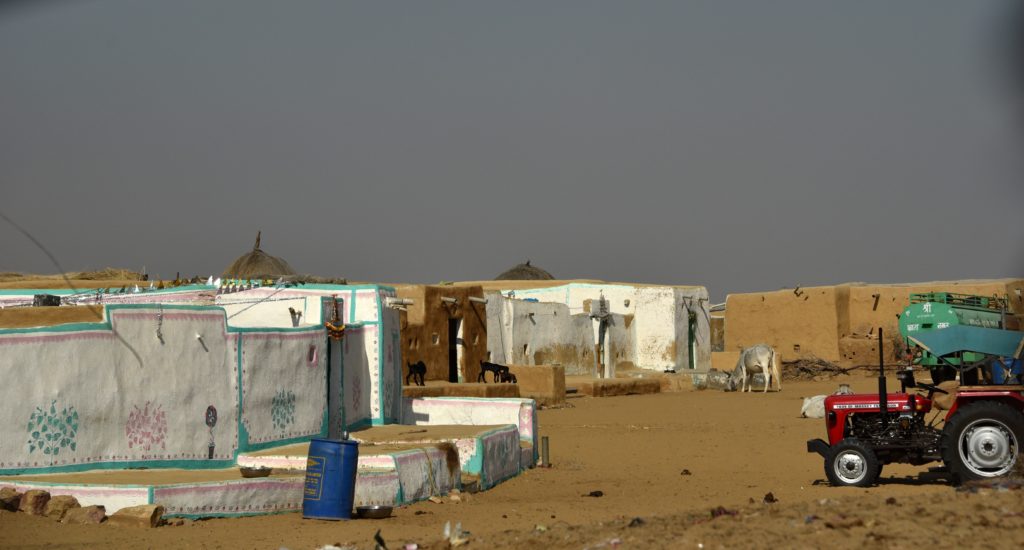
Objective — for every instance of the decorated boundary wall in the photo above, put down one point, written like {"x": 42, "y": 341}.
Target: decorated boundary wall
{"x": 156, "y": 386}
{"x": 365, "y": 366}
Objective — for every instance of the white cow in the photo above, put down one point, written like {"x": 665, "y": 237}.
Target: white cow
{"x": 760, "y": 358}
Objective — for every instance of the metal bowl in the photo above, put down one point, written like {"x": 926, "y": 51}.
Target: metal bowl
{"x": 262, "y": 471}
{"x": 373, "y": 512}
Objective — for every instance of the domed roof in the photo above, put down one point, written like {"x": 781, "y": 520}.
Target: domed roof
{"x": 257, "y": 264}
{"x": 525, "y": 272}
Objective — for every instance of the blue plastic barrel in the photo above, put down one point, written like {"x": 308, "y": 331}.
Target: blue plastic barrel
{"x": 330, "y": 479}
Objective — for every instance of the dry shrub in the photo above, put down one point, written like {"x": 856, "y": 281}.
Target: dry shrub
{"x": 810, "y": 369}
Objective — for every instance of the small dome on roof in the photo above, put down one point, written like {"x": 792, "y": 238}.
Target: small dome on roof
{"x": 257, "y": 264}
{"x": 525, "y": 272}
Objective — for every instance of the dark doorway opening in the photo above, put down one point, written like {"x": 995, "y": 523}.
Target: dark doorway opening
{"x": 453, "y": 350}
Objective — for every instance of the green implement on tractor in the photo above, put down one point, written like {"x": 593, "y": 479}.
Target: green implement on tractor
{"x": 949, "y": 333}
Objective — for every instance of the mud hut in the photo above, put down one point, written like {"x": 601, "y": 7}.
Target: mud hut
{"x": 257, "y": 264}
{"x": 525, "y": 272}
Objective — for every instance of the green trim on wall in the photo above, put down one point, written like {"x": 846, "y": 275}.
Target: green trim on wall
{"x": 381, "y": 386}
{"x": 243, "y": 434}
{"x": 352, "y": 307}
{"x": 235, "y": 514}
{"x": 360, "y": 425}
{"x": 193, "y": 464}
{"x": 278, "y": 443}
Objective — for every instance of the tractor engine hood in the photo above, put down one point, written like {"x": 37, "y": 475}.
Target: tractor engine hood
{"x": 867, "y": 402}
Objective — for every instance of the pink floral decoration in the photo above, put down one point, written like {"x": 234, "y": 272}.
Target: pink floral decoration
{"x": 146, "y": 427}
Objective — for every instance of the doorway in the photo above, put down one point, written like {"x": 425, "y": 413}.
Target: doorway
{"x": 692, "y": 334}
{"x": 454, "y": 353}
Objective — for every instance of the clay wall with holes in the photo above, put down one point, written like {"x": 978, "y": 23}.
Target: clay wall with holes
{"x": 840, "y": 323}
{"x": 426, "y": 324}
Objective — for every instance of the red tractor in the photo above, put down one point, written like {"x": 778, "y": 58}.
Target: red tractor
{"x": 982, "y": 436}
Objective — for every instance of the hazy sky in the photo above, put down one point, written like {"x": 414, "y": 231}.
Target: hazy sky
{"x": 739, "y": 145}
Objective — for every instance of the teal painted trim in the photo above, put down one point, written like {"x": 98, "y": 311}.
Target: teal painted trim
{"x": 253, "y": 447}
{"x": 360, "y": 425}
{"x": 310, "y": 329}
{"x": 196, "y": 464}
{"x": 149, "y": 496}
{"x": 235, "y": 514}
{"x": 243, "y": 434}
{"x": 341, "y": 384}
{"x": 381, "y": 386}
{"x": 475, "y": 464}
{"x": 325, "y": 423}
{"x": 352, "y": 307}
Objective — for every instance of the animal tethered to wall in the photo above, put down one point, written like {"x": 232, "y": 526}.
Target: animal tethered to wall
{"x": 760, "y": 358}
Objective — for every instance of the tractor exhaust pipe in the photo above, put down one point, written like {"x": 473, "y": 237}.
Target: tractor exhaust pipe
{"x": 883, "y": 394}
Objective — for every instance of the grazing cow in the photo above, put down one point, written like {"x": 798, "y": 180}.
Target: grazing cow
{"x": 760, "y": 358}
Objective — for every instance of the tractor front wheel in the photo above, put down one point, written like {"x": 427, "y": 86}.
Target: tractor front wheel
{"x": 982, "y": 440}
{"x": 852, "y": 463}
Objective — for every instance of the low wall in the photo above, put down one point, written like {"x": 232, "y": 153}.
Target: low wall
{"x": 433, "y": 411}
{"x": 543, "y": 383}
{"x": 155, "y": 386}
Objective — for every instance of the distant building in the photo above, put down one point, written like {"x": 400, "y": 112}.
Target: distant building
{"x": 445, "y": 326}
{"x": 840, "y": 323}
{"x": 599, "y": 328}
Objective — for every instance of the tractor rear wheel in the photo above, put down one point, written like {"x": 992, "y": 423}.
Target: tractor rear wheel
{"x": 852, "y": 463}
{"x": 982, "y": 440}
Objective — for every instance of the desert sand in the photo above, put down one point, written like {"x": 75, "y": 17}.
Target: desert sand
{"x": 668, "y": 459}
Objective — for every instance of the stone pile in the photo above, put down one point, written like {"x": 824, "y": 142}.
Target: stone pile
{"x": 66, "y": 509}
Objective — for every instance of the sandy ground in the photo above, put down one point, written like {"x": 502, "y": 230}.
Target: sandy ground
{"x": 634, "y": 449}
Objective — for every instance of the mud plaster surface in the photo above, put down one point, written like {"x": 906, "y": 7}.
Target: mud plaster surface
{"x": 49, "y": 316}
{"x": 633, "y": 448}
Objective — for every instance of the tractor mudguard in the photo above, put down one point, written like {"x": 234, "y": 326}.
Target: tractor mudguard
{"x": 817, "y": 446}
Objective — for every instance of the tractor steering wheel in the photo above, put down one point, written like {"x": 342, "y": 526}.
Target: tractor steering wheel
{"x": 931, "y": 388}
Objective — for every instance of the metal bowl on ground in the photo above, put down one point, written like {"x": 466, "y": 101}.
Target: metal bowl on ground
{"x": 373, "y": 512}
{"x": 261, "y": 471}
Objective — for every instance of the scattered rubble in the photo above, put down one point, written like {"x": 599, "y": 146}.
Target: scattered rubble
{"x": 10, "y": 499}
{"x": 57, "y": 506}
{"x": 85, "y": 515}
{"x": 145, "y": 515}
{"x": 34, "y": 502}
